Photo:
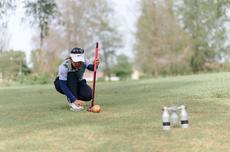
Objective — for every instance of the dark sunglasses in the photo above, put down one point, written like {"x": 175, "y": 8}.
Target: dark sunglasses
{"x": 77, "y": 51}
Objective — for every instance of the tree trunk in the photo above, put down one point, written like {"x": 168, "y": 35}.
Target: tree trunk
{"x": 41, "y": 36}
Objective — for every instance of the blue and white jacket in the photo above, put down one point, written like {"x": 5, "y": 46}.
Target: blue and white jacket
{"x": 63, "y": 71}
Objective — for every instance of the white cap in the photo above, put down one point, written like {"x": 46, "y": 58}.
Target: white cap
{"x": 77, "y": 57}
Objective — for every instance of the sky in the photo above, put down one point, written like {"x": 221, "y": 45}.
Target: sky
{"x": 20, "y": 33}
{"x": 125, "y": 14}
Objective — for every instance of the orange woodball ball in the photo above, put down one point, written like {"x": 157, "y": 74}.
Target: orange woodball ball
{"x": 96, "y": 108}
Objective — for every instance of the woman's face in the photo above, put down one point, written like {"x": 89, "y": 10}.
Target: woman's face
{"x": 76, "y": 64}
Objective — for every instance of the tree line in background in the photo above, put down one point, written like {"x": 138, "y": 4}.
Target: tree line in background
{"x": 183, "y": 36}
{"x": 173, "y": 36}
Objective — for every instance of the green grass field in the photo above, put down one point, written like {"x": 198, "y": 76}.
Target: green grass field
{"x": 37, "y": 119}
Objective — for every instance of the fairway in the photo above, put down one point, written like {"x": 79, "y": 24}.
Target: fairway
{"x": 37, "y": 118}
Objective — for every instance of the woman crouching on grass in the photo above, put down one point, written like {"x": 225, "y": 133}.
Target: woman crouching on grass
{"x": 70, "y": 82}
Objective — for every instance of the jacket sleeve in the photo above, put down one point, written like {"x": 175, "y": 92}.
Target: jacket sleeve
{"x": 89, "y": 66}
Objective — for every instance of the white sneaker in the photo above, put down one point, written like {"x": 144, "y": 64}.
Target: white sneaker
{"x": 75, "y": 107}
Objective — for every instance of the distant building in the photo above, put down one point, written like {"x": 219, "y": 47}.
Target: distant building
{"x": 88, "y": 75}
{"x": 135, "y": 75}
{"x": 112, "y": 78}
